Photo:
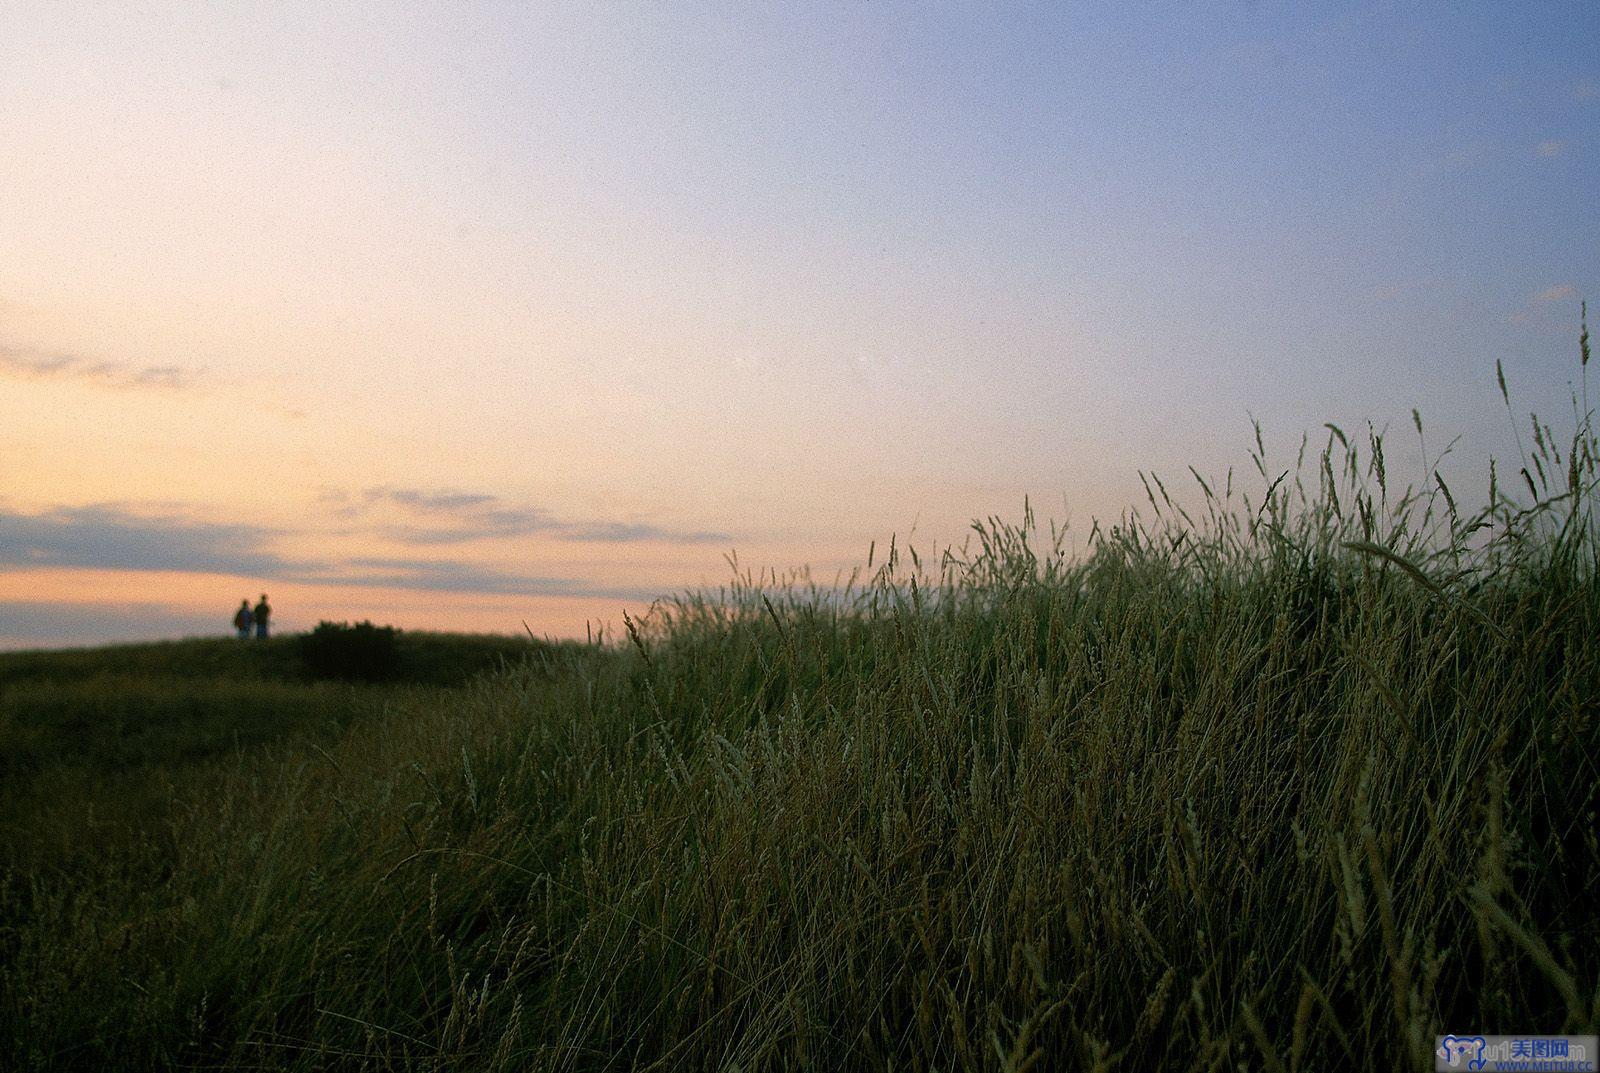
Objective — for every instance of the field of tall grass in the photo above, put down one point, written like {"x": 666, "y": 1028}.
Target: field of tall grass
{"x": 1291, "y": 779}
{"x": 93, "y": 742}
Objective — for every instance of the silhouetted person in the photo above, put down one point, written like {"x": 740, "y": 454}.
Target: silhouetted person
{"x": 262, "y": 614}
{"x": 242, "y": 619}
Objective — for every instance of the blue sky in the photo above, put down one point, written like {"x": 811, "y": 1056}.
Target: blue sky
{"x": 589, "y": 295}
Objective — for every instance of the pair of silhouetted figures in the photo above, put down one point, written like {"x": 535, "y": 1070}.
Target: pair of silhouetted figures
{"x": 247, "y": 617}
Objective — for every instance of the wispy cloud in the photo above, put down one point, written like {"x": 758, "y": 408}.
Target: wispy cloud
{"x": 114, "y": 537}
{"x": 454, "y": 517}
{"x": 1535, "y": 313}
{"x": 111, "y": 537}
{"x": 628, "y": 532}
{"x": 1585, "y": 89}
{"x": 32, "y": 363}
{"x": 453, "y": 576}
{"x": 433, "y": 502}
{"x": 1551, "y": 147}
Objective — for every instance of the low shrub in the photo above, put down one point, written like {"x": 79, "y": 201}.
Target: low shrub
{"x": 362, "y": 652}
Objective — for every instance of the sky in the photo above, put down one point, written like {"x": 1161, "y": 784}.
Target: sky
{"x": 477, "y": 316}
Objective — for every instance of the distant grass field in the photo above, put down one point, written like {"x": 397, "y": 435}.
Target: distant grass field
{"x": 1292, "y": 780}
{"x": 420, "y": 658}
{"x": 91, "y": 740}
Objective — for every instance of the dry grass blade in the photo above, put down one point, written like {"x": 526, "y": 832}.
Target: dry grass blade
{"x": 1416, "y": 574}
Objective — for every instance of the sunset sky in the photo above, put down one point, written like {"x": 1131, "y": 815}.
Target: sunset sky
{"x": 461, "y": 316}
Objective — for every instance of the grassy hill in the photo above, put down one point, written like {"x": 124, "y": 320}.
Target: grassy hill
{"x": 1288, "y": 782}
{"x": 419, "y": 658}
{"x": 93, "y": 741}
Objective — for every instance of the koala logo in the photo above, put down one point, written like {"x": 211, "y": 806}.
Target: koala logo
{"x": 1455, "y": 1048}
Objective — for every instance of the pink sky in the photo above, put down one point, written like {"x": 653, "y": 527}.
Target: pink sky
{"x": 478, "y": 316}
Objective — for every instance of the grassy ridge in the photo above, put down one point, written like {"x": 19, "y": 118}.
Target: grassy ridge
{"x": 1281, "y": 784}
{"x": 94, "y": 741}
{"x": 178, "y": 701}
{"x": 421, "y": 658}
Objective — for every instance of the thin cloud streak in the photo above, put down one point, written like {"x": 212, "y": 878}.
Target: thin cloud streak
{"x": 31, "y": 363}
{"x": 450, "y": 576}
{"x": 471, "y": 516}
{"x": 110, "y": 537}
{"x": 432, "y": 502}
{"x": 626, "y": 532}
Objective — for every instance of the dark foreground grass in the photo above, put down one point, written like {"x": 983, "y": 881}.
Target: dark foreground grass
{"x": 1292, "y": 784}
{"x": 94, "y": 742}
{"x": 87, "y": 766}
